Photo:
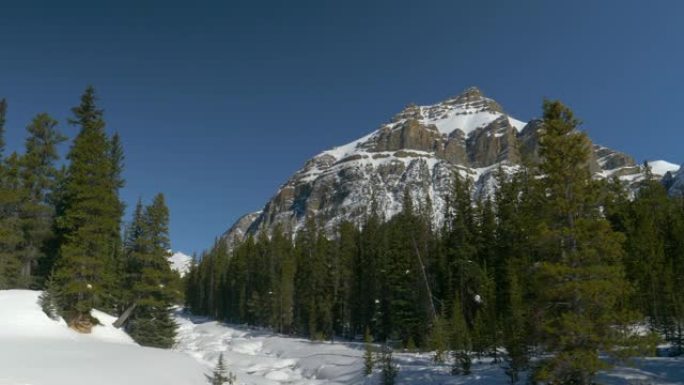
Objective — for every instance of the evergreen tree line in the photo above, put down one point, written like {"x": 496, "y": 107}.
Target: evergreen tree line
{"x": 554, "y": 269}
{"x": 61, "y": 229}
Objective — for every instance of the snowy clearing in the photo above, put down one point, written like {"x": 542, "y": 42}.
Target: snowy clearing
{"x": 35, "y": 350}
{"x": 262, "y": 358}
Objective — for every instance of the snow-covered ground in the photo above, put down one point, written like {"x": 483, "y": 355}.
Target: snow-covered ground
{"x": 262, "y": 358}
{"x": 35, "y": 350}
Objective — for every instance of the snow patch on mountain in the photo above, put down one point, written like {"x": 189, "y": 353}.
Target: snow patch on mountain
{"x": 662, "y": 167}
{"x": 180, "y": 262}
{"x": 463, "y": 117}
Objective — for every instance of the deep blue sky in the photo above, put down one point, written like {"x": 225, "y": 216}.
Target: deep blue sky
{"x": 219, "y": 102}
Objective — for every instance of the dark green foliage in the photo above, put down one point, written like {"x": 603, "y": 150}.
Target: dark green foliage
{"x": 89, "y": 220}
{"x": 388, "y": 368}
{"x": 12, "y": 195}
{"x": 151, "y": 285}
{"x": 27, "y": 215}
{"x": 3, "y": 118}
{"x": 368, "y": 357}
{"x": 220, "y": 375}
{"x": 49, "y": 301}
{"x": 580, "y": 280}
{"x": 60, "y": 230}
{"x": 439, "y": 339}
{"x": 39, "y": 176}
{"x": 515, "y": 326}
{"x": 460, "y": 341}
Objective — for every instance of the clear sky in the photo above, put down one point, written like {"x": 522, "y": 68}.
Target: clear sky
{"x": 218, "y": 103}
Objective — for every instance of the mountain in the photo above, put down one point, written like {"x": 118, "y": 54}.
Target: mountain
{"x": 674, "y": 181}
{"x": 419, "y": 150}
{"x": 180, "y": 262}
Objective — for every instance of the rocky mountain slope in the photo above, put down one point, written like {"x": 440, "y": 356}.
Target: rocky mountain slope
{"x": 419, "y": 150}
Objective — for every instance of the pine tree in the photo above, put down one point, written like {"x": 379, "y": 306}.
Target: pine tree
{"x": 3, "y": 118}
{"x": 281, "y": 269}
{"x": 341, "y": 276}
{"x": 49, "y": 301}
{"x": 366, "y": 270}
{"x": 368, "y": 357}
{"x": 580, "y": 279}
{"x": 439, "y": 339}
{"x": 38, "y": 175}
{"x": 221, "y": 375}
{"x": 116, "y": 158}
{"x": 675, "y": 253}
{"x": 388, "y": 367}
{"x": 89, "y": 218}
{"x": 460, "y": 340}
{"x": 154, "y": 285}
{"x": 12, "y": 195}
{"x": 515, "y": 327}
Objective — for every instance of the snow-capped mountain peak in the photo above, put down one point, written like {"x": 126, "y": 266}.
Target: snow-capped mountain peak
{"x": 419, "y": 150}
{"x": 180, "y": 262}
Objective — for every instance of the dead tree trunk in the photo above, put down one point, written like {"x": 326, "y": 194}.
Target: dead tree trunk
{"x": 125, "y": 315}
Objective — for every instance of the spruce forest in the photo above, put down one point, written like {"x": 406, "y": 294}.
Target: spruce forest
{"x": 548, "y": 275}
{"x": 62, "y": 230}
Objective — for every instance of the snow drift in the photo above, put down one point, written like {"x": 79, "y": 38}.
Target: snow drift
{"x": 36, "y": 350}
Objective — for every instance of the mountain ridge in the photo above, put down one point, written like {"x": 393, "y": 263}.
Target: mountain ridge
{"x": 418, "y": 150}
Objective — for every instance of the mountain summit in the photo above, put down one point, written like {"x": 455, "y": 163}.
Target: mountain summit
{"x": 419, "y": 150}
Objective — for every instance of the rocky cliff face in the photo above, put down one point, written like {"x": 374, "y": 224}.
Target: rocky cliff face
{"x": 674, "y": 182}
{"x": 419, "y": 151}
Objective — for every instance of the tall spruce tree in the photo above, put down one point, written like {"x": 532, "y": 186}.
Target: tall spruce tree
{"x": 38, "y": 175}
{"x": 154, "y": 287}
{"x": 3, "y": 119}
{"x": 12, "y": 195}
{"x": 9, "y": 232}
{"x": 89, "y": 218}
{"x": 580, "y": 280}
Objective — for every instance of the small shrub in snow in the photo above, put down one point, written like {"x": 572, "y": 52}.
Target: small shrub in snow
{"x": 221, "y": 376}
{"x": 49, "y": 301}
{"x": 368, "y": 360}
{"x": 389, "y": 369}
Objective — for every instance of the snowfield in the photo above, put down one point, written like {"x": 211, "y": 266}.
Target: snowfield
{"x": 262, "y": 358}
{"x": 35, "y": 350}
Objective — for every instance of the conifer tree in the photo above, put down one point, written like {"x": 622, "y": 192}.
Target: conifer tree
{"x": 3, "y": 118}
{"x": 88, "y": 224}
{"x": 38, "y": 177}
{"x": 368, "y": 359}
{"x": 341, "y": 277}
{"x": 154, "y": 286}
{"x": 580, "y": 279}
{"x": 439, "y": 339}
{"x": 282, "y": 267}
{"x": 460, "y": 340}
{"x": 366, "y": 269}
{"x": 12, "y": 195}
{"x": 6, "y": 230}
{"x": 515, "y": 334}
{"x": 388, "y": 367}
{"x": 220, "y": 375}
